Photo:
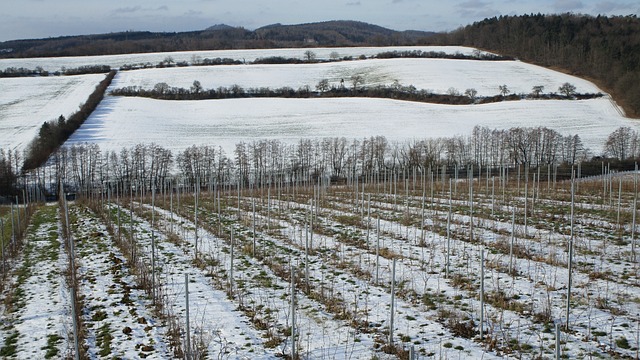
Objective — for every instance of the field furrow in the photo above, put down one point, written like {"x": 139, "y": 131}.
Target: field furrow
{"x": 37, "y": 315}
{"x": 116, "y": 313}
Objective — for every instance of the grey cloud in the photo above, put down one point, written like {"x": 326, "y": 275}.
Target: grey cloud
{"x": 609, "y": 6}
{"x": 139, "y": 9}
{"x": 193, "y": 13}
{"x": 567, "y": 5}
{"x": 356, "y": 3}
{"x": 474, "y": 4}
{"x": 476, "y": 9}
{"x": 127, "y": 10}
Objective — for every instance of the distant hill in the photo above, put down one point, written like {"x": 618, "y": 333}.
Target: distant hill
{"x": 339, "y": 33}
{"x": 221, "y": 36}
{"x": 219, "y": 27}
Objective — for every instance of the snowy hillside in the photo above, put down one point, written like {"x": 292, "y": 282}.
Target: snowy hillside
{"x": 55, "y": 64}
{"x": 435, "y": 75}
{"x": 124, "y": 122}
{"x": 26, "y": 103}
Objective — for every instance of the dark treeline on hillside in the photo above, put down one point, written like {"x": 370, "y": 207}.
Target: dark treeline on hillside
{"x": 606, "y": 49}
{"x": 8, "y": 173}
{"x": 53, "y": 134}
{"x": 82, "y": 70}
{"x": 477, "y": 55}
{"x": 324, "y": 34}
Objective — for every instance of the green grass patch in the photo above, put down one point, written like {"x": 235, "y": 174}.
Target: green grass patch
{"x": 104, "y": 339}
{"x": 51, "y": 349}
{"x": 10, "y": 345}
{"x": 99, "y": 316}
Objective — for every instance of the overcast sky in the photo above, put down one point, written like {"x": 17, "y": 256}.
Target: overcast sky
{"x": 25, "y": 19}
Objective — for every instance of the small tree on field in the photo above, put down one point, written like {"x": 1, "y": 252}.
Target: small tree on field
{"x": 323, "y": 85}
{"x": 567, "y": 89}
{"x": 471, "y": 93}
{"x": 196, "y": 88}
{"x": 334, "y": 55}
{"x": 504, "y": 90}
{"x": 621, "y": 143}
{"x": 161, "y": 88}
{"x": 356, "y": 80}
{"x": 453, "y": 91}
{"x": 537, "y": 90}
{"x": 168, "y": 60}
{"x": 310, "y": 55}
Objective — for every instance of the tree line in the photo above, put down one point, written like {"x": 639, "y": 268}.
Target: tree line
{"x": 354, "y": 86}
{"x": 39, "y": 71}
{"x": 605, "y": 49}
{"x": 419, "y": 54}
{"x": 308, "y": 57}
{"x": 261, "y": 162}
{"x": 53, "y": 134}
{"x": 8, "y": 173}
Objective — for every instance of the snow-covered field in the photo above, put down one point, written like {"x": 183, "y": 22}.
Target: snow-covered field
{"x": 435, "y": 75}
{"x": 26, "y": 103}
{"x": 115, "y": 61}
{"x": 239, "y": 291}
{"x": 124, "y": 122}
{"x": 36, "y": 312}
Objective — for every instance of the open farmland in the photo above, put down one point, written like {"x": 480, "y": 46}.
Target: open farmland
{"x": 435, "y": 75}
{"x": 26, "y": 103}
{"x": 124, "y": 121}
{"x": 116, "y": 61}
{"x": 259, "y": 256}
{"x": 481, "y": 270}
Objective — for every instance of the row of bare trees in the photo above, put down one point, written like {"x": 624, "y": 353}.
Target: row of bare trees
{"x": 623, "y": 144}
{"x": 261, "y": 162}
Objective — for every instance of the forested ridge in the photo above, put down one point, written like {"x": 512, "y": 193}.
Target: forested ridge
{"x": 219, "y": 37}
{"x": 603, "y": 49}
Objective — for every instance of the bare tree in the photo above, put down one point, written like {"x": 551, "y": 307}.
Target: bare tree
{"x": 504, "y": 90}
{"x": 453, "y": 92}
{"x": 471, "y": 93}
{"x": 310, "y": 56}
{"x": 196, "y": 88}
{"x": 323, "y": 85}
{"x": 567, "y": 89}
{"x": 619, "y": 143}
{"x": 356, "y": 80}
{"x": 161, "y": 87}
{"x": 168, "y": 60}
{"x": 537, "y": 90}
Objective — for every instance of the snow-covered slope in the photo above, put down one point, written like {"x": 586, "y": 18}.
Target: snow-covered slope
{"x": 26, "y": 103}
{"x": 55, "y": 64}
{"x": 435, "y": 75}
{"x": 123, "y": 122}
